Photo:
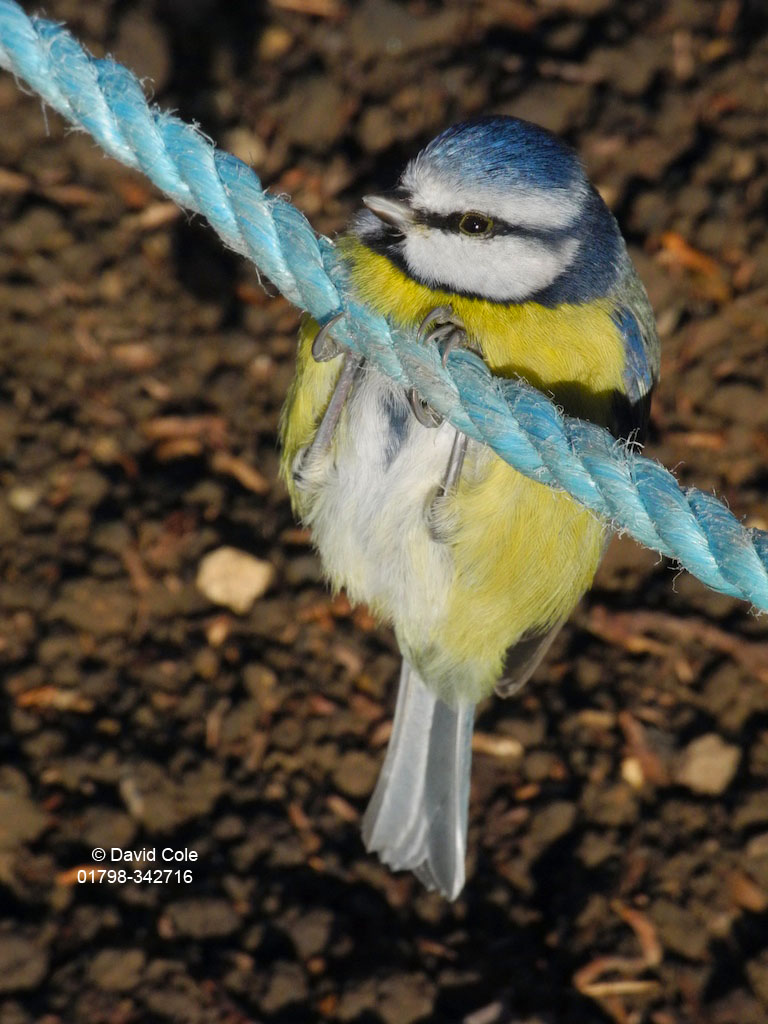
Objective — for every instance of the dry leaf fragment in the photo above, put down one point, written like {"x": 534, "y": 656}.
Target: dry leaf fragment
{"x": 746, "y": 893}
{"x": 212, "y": 429}
{"x": 502, "y": 747}
{"x": 319, "y": 8}
{"x": 230, "y": 465}
{"x": 55, "y": 697}
{"x": 72, "y": 195}
{"x": 158, "y": 215}
{"x": 12, "y": 183}
{"x": 710, "y": 275}
{"x": 342, "y": 808}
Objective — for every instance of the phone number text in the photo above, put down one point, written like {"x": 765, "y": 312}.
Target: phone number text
{"x": 155, "y": 876}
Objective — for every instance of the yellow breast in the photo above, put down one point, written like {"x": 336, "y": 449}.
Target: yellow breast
{"x": 572, "y": 352}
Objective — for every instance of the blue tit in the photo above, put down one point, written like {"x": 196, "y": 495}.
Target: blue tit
{"x": 494, "y": 240}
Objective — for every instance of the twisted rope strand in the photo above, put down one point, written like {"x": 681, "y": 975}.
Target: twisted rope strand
{"x": 521, "y": 425}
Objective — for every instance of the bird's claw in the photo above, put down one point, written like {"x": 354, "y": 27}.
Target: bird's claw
{"x": 439, "y": 316}
{"x": 324, "y": 348}
{"x": 442, "y": 327}
{"x": 312, "y": 455}
{"x": 436, "y": 522}
{"x": 422, "y": 410}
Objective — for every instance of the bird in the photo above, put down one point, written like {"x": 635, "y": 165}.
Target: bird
{"x": 493, "y": 240}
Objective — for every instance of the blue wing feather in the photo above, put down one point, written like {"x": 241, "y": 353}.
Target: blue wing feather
{"x": 640, "y": 370}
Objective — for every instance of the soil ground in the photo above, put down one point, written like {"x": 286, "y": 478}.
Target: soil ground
{"x": 618, "y": 864}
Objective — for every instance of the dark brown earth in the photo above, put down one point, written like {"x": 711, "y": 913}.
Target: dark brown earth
{"x": 618, "y": 865}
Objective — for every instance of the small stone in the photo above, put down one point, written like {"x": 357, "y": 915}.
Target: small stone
{"x": 377, "y": 129}
{"x": 578, "y": 8}
{"x": 203, "y": 918}
{"x": 302, "y": 570}
{"x": 101, "y": 609}
{"x": 750, "y": 812}
{"x": 757, "y": 972}
{"x": 104, "y": 826}
{"x": 287, "y": 734}
{"x": 161, "y": 803}
{"x": 234, "y": 579}
{"x": 551, "y": 823}
{"x": 595, "y": 848}
{"x": 245, "y": 145}
{"x": 22, "y": 965}
{"x": 356, "y": 999}
{"x": 275, "y": 42}
{"x": 355, "y": 774}
{"x": 737, "y": 402}
{"x": 679, "y": 930}
{"x": 316, "y": 113}
{"x": 12, "y": 1012}
{"x": 89, "y": 488}
{"x": 631, "y": 68}
{"x": 611, "y": 806}
{"x": 539, "y": 764}
{"x": 287, "y": 985}
{"x": 404, "y": 998}
{"x": 555, "y": 105}
{"x": 117, "y": 970}
{"x": 757, "y": 845}
{"x": 708, "y": 765}
{"x": 23, "y": 499}
{"x": 41, "y": 229}
{"x": 632, "y": 772}
{"x": 382, "y": 28}
{"x": 113, "y": 537}
{"x": 310, "y": 932}
{"x": 171, "y": 1004}
{"x": 261, "y": 682}
{"x": 21, "y": 819}
{"x": 141, "y": 44}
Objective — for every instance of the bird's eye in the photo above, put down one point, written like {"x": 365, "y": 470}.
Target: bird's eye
{"x": 475, "y": 224}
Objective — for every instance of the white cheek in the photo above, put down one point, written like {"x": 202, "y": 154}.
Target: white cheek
{"x": 504, "y": 268}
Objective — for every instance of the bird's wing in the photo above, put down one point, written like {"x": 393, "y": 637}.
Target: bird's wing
{"x": 522, "y": 660}
{"x": 636, "y": 323}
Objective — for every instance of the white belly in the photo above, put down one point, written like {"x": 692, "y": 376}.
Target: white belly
{"x": 367, "y": 505}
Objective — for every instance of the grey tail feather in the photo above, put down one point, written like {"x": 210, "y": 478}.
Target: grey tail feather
{"x": 417, "y": 818}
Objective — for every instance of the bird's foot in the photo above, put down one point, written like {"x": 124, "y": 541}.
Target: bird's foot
{"x": 446, "y": 330}
{"x": 306, "y": 465}
{"x": 438, "y": 512}
{"x": 422, "y": 410}
{"x": 324, "y": 347}
{"x": 443, "y": 328}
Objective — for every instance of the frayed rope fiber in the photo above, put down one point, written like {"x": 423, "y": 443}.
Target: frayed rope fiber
{"x": 632, "y": 493}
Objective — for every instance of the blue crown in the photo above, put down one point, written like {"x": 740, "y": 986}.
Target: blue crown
{"x": 504, "y": 151}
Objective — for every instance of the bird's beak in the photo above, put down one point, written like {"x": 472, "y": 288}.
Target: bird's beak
{"x": 392, "y": 211}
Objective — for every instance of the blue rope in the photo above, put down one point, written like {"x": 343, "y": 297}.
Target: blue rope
{"x": 633, "y": 493}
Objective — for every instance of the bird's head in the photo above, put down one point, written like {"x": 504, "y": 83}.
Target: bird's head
{"x": 500, "y": 209}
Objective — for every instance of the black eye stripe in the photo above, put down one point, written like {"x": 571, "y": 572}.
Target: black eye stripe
{"x": 450, "y": 222}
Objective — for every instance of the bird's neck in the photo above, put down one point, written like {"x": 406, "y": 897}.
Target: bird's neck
{"x": 573, "y": 352}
